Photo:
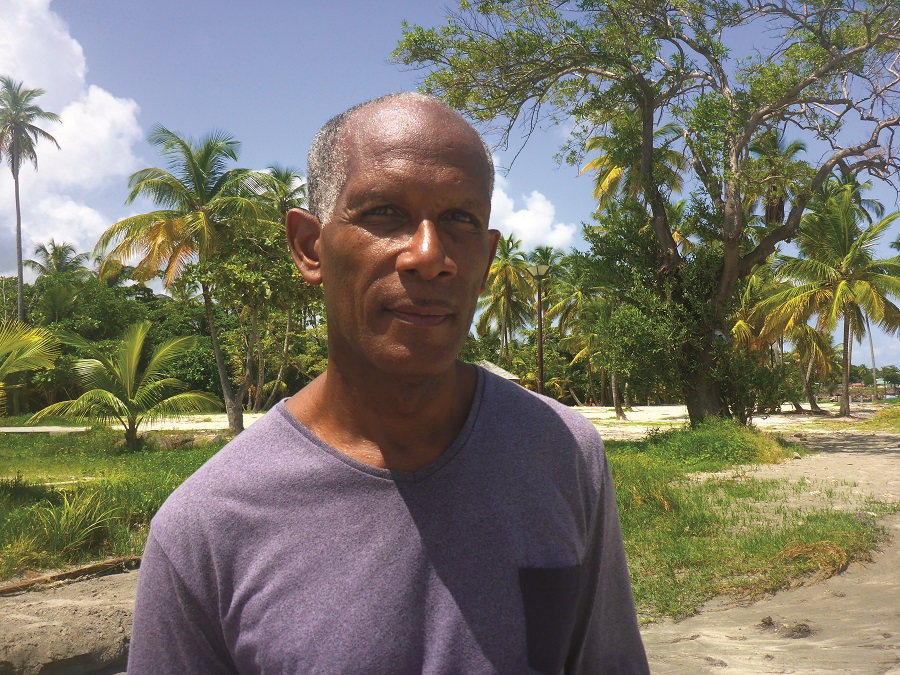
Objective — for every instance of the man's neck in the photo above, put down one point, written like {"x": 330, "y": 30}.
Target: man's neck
{"x": 396, "y": 423}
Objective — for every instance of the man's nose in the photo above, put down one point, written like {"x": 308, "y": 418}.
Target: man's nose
{"x": 424, "y": 253}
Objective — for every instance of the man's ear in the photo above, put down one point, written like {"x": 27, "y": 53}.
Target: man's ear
{"x": 303, "y": 233}
{"x": 494, "y": 238}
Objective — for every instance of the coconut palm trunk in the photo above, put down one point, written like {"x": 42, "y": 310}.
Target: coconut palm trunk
{"x": 874, "y": 372}
{"x": 845, "y": 374}
{"x": 614, "y": 386}
{"x": 20, "y": 302}
{"x": 233, "y": 408}
{"x": 807, "y": 385}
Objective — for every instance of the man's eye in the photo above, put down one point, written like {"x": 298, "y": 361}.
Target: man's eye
{"x": 382, "y": 211}
{"x": 462, "y": 217}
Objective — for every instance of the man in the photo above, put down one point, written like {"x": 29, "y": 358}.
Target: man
{"x": 404, "y": 512}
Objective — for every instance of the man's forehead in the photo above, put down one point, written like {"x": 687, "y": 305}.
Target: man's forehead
{"x": 424, "y": 125}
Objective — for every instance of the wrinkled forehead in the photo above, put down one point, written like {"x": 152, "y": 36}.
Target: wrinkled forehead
{"x": 418, "y": 131}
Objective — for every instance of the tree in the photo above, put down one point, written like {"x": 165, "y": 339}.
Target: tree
{"x": 53, "y": 258}
{"x": 119, "y": 390}
{"x": 839, "y": 277}
{"x": 505, "y": 301}
{"x": 774, "y": 175}
{"x": 24, "y": 348}
{"x": 202, "y": 201}
{"x": 18, "y": 135}
{"x": 618, "y": 167}
{"x": 825, "y": 69}
{"x": 284, "y": 188}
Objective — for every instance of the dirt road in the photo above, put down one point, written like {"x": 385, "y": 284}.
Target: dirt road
{"x": 847, "y": 624}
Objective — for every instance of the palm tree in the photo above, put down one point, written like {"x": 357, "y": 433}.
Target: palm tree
{"x": 617, "y": 166}
{"x": 284, "y": 188}
{"x": 775, "y": 174}
{"x": 118, "y": 390}
{"x": 24, "y": 348}
{"x": 504, "y": 303}
{"x": 53, "y": 258}
{"x": 202, "y": 201}
{"x": 18, "y": 135}
{"x": 839, "y": 277}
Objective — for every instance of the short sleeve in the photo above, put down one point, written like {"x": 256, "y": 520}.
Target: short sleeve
{"x": 606, "y": 638}
{"x": 172, "y": 631}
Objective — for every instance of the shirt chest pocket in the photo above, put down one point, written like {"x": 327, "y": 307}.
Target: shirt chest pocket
{"x": 550, "y": 599}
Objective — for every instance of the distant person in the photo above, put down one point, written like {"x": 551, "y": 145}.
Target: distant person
{"x": 405, "y": 512}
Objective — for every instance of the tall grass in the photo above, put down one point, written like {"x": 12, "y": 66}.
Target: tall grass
{"x": 688, "y": 539}
{"x": 688, "y": 536}
{"x": 98, "y": 503}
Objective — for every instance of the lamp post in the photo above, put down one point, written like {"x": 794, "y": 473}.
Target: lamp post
{"x": 539, "y": 272}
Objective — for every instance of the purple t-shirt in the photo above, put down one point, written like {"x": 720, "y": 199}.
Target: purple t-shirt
{"x": 283, "y": 555}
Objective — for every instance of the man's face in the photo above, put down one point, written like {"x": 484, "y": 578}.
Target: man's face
{"x": 407, "y": 249}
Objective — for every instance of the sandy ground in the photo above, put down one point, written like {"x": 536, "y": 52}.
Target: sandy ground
{"x": 846, "y": 624}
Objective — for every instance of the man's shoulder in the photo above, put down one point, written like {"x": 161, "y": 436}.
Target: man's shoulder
{"x": 513, "y": 405}
{"x": 243, "y": 467}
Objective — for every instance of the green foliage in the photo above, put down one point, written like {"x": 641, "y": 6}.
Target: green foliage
{"x": 23, "y": 348}
{"x": 119, "y": 390}
{"x": 508, "y": 63}
{"x": 104, "y": 512}
{"x": 690, "y": 537}
{"x": 753, "y": 384}
{"x": 710, "y": 446}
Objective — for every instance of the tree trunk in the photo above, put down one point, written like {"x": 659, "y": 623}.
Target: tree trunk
{"x": 810, "y": 394}
{"x": 702, "y": 394}
{"x": 845, "y": 376}
{"x": 248, "y": 358}
{"x": 232, "y": 408}
{"x": 874, "y": 372}
{"x": 591, "y": 382}
{"x": 617, "y": 404}
{"x": 604, "y": 400}
{"x": 20, "y": 306}
{"x": 131, "y": 437}
{"x": 260, "y": 374}
{"x": 628, "y": 395}
{"x": 284, "y": 359}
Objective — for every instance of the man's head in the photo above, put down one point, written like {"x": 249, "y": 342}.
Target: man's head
{"x": 400, "y": 238}
{"x": 327, "y": 161}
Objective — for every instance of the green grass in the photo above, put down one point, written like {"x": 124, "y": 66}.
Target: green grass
{"x": 886, "y": 419}
{"x": 100, "y": 507}
{"x": 689, "y": 539}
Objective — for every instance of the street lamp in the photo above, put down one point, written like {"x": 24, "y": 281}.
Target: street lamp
{"x": 540, "y": 272}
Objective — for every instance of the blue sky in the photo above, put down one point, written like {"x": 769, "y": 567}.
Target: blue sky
{"x": 269, "y": 72}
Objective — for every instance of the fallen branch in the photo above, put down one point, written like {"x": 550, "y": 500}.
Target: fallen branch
{"x": 93, "y": 570}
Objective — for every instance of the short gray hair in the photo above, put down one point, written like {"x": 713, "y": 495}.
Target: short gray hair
{"x": 327, "y": 162}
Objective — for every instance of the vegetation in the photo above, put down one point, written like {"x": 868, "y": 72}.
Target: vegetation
{"x": 23, "y": 348}
{"x": 70, "y": 499}
{"x": 839, "y": 278}
{"x": 118, "y": 389}
{"x": 202, "y": 202}
{"x": 689, "y": 537}
{"x": 74, "y": 498}
{"x": 624, "y": 74}
{"x": 19, "y": 132}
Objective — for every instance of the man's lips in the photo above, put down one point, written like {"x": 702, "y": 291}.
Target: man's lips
{"x": 422, "y": 315}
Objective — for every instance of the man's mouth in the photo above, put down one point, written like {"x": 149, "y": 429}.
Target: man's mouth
{"x": 422, "y": 315}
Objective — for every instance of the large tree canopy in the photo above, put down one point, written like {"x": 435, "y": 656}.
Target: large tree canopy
{"x": 825, "y": 68}
{"x": 826, "y": 71}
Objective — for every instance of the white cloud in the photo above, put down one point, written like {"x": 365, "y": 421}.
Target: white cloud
{"x": 534, "y": 223}
{"x": 97, "y": 136}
